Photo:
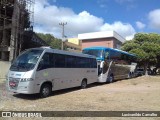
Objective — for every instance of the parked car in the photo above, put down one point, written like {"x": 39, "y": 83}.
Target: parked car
{"x": 140, "y": 72}
{"x": 149, "y": 71}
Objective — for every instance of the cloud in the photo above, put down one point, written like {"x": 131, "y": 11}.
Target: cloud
{"x": 140, "y": 25}
{"x": 154, "y": 19}
{"x": 48, "y": 17}
{"x": 124, "y": 29}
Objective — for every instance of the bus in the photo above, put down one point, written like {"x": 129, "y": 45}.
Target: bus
{"x": 43, "y": 70}
{"x": 113, "y": 64}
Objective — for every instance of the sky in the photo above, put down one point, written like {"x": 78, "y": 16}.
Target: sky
{"x": 126, "y": 17}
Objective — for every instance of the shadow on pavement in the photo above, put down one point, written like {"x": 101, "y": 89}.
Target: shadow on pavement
{"x": 54, "y": 93}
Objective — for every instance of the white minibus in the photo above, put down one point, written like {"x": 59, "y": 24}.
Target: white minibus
{"x": 43, "y": 70}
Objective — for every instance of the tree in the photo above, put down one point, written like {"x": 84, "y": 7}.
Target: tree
{"x": 51, "y": 40}
{"x": 146, "y": 47}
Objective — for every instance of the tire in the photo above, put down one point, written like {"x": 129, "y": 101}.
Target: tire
{"x": 110, "y": 78}
{"x": 45, "y": 91}
{"x": 83, "y": 84}
{"x": 129, "y": 76}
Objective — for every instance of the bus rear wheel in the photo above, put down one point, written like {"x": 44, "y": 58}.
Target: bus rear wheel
{"x": 83, "y": 84}
{"x": 129, "y": 75}
{"x": 111, "y": 78}
{"x": 45, "y": 90}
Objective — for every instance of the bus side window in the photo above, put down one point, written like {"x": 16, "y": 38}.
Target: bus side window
{"x": 70, "y": 61}
{"x": 60, "y": 60}
{"x": 45, "y": 62}
{"x": 93, "y": 63}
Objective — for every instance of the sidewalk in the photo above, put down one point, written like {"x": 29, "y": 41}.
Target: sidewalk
{"x": 2, "y": 80}
{"x": 4, "y": 67}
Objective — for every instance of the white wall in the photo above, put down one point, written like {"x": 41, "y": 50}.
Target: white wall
{"x": 102, "y": 34}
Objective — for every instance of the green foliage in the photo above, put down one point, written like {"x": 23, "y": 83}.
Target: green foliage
{"x": 140, "y": 53}
{"x": 140, "y": 38}
{"x": 146, "y": 47}
{"x": 129, "y": 45}
{"x": 50, "y": 40}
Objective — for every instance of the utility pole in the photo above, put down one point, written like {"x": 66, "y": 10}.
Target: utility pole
{"x": 63, "y": 36}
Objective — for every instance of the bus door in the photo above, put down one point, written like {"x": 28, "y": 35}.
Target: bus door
{"x": 105, "y": 65}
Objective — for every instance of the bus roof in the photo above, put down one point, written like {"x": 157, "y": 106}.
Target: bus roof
{"x": 106, "y": 48}
{"x": 49, "y": 49}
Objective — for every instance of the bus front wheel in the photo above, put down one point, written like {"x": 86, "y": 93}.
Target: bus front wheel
{"x": 84, "y": 84}
{"x": 45, "y": 90}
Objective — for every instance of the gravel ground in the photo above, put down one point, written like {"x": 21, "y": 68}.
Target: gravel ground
{"x": 137, "y": 94}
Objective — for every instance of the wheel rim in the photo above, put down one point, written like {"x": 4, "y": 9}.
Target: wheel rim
{"x": 110, "y": 79}
{"x": 83, "y": 84}
{"x": 45, "y": 91}
{"x": 129, "y": 75}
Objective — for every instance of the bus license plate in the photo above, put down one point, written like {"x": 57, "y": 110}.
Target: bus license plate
{"x": 12, "y": 84}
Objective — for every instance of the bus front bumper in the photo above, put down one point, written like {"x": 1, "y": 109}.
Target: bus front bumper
{"x": 21, "y": 87}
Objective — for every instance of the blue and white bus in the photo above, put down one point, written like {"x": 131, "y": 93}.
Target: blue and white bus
{"x": 42, "y": 70}
{"x": 113, "y": 64}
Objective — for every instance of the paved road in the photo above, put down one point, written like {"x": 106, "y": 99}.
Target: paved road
{"x": 139, "y": 94}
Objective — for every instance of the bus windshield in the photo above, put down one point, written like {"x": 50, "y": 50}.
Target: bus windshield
{"x": 26, "y": 61}
{"x": 94, "y": 52}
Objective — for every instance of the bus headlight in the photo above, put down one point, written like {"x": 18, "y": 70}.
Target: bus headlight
{"x": 26, "y": 79}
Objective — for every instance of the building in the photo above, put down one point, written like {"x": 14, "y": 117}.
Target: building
{"x": 109, "y": 39}
{"x": 73, "y": 44}
{"x": 74, "y": 41}
{"x": 15, "y": 19}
